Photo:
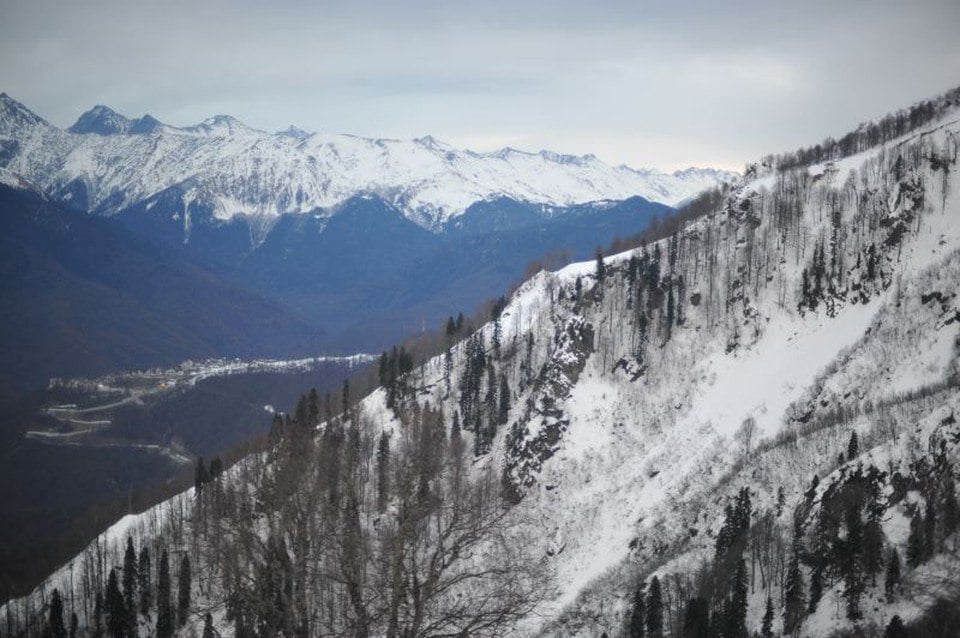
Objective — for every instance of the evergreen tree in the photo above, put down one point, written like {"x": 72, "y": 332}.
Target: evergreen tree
{"x": 383, "y": 474}
{"x": 74, "y": 624}
{"x": 456, "y": 438}
{"x": 873, "y": 547}
{"x": 183, "y": 590}
{"x": 696, "y": 618}
{"x": 766, "y": 628}
{"x": 794, "y": 598}
{"x": 896, "y": 629}
{"x": 735, "y": 616}
{"x": 208, "y": 631}
{"x": 130, "y": 583}
{"x": 915, "y": 541}
{"x": 98, "y": 612}
{"x": 930, "y": 530}
{"x": 200, "y": 476}
{"x": 781, "y": 501}
{"x": 853, "y": 448}
{"x": 951, "y": 509}
{"x": 116, "y": 608}
{"x": 164, "y": 611}
{"x": 654, "y": 609}
{"x": 504, "y": 398}
{"x": 143, "y": 572}
{"x": 635, "y": 628}
{"x": 313, "y": 407}
{"x": 816, "y": 587}
{"x": 892, "y": 580}
{"x": 57, "y": 628}
{"x": 853, "y": 550}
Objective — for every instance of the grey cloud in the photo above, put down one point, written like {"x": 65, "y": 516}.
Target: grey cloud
{"x": 645, "y": 83}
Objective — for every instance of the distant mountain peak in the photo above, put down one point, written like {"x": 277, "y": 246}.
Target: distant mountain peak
{"x": 427, "y": 179}
{"x": 294, "y": 132}
{"x": 15, "y": 116}
{"x": 221, "y": 125}
{"x": 101, "y": 120}
{"x": 146, "y": 124}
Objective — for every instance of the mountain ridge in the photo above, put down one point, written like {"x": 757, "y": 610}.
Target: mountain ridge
{"x": 236, "y": 169}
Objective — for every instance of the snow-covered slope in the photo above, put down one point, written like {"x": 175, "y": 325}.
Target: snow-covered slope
{"x": 107, "y": 162}
{"x": 627, "y": 429}
{"x": 625, "y": 404}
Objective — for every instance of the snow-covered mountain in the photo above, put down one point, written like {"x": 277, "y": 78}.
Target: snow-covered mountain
{"x": 757, "y": 410}
{"x": 107, "y": 162}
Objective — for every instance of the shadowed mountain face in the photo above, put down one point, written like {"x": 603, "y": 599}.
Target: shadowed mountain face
{"x": 368, "y": 275}
{"x": 84, "y": 296}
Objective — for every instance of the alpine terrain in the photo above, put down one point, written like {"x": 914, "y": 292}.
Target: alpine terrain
{"x": 747, "y": 424}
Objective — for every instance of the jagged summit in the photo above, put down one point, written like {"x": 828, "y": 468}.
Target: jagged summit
{"x": 294, "y": 132}
{"x": 15, "y": 116}
{"x": 101, "y": 120}
{"x": 237, "y": 169}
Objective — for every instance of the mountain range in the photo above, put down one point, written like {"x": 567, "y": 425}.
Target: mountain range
{"x": 325, "y": 227}
{"x": 747, "y": 425}
{"x": 106, "y": 162}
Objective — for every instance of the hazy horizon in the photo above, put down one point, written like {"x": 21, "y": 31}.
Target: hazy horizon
{"x": 646, "y": 85}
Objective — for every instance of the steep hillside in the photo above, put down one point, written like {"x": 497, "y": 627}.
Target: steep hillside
{"x": 753, "y": 412}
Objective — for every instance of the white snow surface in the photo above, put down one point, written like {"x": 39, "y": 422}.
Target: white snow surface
{"x": 241, "y": 170}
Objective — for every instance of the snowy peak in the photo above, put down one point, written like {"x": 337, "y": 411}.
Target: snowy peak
{"x": 221, "y": 126}
{"x": 15, "y": 117}
{"x": 146, "y": 125}
{"x": 293, "y": 132}
{"x": 244, "y": 171}
{"x": 101, "y": 120}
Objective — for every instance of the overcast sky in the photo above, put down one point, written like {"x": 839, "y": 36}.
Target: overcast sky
{"x": 661, "y": 84}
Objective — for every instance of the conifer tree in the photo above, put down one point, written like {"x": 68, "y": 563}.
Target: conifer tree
{"x": 896, "y": 628}
{"x": 853, "y": 448}
{"x": 199, "y": 477}
{"x": 696, "y": 618}
{"x": 130, "y": 581}
{"x": 915, "y": 541}
{"x": 766, "y": 627}
{"x": 794, "y": 597}
{"x": 145, "y": 586}
{"x": 635, "y": 628}
{"x": 383, "y": 475}
{"x": 892, "y": 580}
{"x": 56, "y": 627}
{"x": 873, "y": 544}
{"x": 504, "y": 398}
{"x": 654, "y": 609}
{"x": 951, "y": 509}
{"x": 208, "y": 631}
{"x": 116, "y": 608}
{"x": 74, "y": 624}
{"x": 456, "y": 438}
{"x": 736, "y": 611}
{"x": 98, "y": 612}
{"x": 164, "y": 611}
{"x": 852, "y": 552}
{"x": 183, "y": 590}
{"x": 313, "y": 407}
{"x": 930, "y": 530}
